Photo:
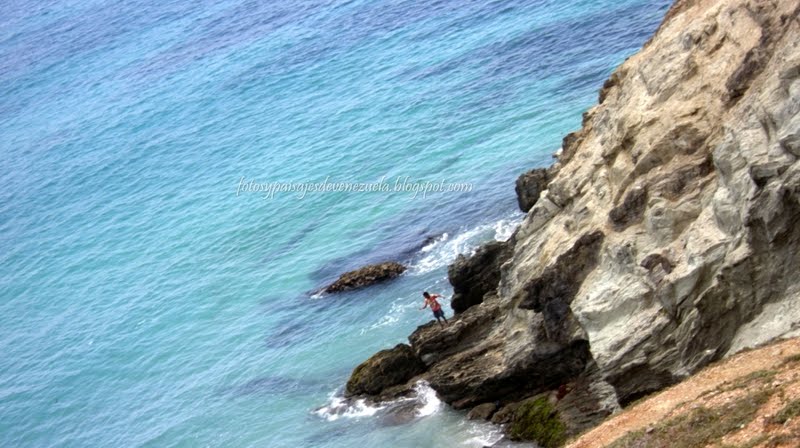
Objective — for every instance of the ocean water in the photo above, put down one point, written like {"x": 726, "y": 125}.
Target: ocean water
{"x": 153, "y": 294}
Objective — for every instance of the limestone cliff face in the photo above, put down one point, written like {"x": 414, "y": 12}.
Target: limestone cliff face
{"x": 687, "y": 171}
{"x": 668, "y": 235}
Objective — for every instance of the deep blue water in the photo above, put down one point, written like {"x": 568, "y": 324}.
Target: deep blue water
{"x": 143, "y": 302}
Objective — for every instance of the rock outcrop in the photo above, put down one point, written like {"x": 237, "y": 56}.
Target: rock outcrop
{"x": 530, "y": 186}
{"x": 475, "y": 276}
{"x": 385, "y": 369}
{"x": 667, "y": 236}
{"x": 365, "y": 276}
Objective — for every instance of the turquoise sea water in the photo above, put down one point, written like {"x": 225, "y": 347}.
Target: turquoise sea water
{"x": 146, "y": 300}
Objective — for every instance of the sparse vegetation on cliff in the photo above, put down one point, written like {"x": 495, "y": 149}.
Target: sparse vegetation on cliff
{"x": 537, "y": 420}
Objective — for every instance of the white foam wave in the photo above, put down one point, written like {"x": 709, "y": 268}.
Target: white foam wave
{"x": 338, "y": 407}
{"x": 443, "y": 250}
{"x": 482, "y": 434}
{"x": 399, "y": 306}
{"x": 430, "y": 403}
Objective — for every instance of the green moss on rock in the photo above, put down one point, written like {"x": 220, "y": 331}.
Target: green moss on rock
{"x": 537, "y": 420}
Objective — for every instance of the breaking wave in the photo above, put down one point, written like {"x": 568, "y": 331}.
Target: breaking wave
{"x": 443, "y": 250}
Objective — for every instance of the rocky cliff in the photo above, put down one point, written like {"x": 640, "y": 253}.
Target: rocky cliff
{"x": 665, "y": 236}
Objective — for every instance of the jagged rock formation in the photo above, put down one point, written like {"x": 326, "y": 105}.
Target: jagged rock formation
{"x": 667, "y": 236}
{"x": 365, "y": 276}
{"x": 478, "y": 275}
{"x": 530, "y": 186}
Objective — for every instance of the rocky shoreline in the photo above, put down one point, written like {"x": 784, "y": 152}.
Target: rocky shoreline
{"x": 664, "y": 237}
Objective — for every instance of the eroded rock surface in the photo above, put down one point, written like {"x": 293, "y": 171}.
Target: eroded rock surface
{"x": 475, "y": 276}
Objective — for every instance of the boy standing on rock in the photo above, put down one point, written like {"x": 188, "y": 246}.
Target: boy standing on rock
{"x": 430, "y": 300}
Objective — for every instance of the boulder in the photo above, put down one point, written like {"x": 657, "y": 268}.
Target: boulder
{"x": 482, "y": 411}
{"x": 475, "y": 276}
{"x": 385, "y": 369}
{"x": 365, "y": 276}
{"x": 400, "y": 412}
{"x": 529, "y": 186}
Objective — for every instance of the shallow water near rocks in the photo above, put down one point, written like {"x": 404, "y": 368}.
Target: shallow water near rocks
{"x": 144, "y": 303}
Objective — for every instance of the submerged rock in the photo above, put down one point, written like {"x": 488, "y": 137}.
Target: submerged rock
{"x": 387, "y": 368}
{"x": 365, "y": 276}
{"x": 400, "y": 413}
{"x": 482, "y": 411}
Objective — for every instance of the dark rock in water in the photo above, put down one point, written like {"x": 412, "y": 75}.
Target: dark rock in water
{"x": 368, "y": 275}
{"x": 482, "y": 411}
{"x": 474, "y": 277}
{"x": 401, "y": 413}
{"x": 383, "y": 370}
{"x": 430, "y": 239}
{"x": 529, "y": 186}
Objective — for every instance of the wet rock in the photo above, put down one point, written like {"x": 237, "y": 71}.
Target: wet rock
{"x": 482, "y": 411}
{"x": 400, "y": 413}
{"x": 475, "y": 276}
{"x": 387, "y": 368}
{"x": 529, "y": 186}
{"x": 365, "y": 276}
